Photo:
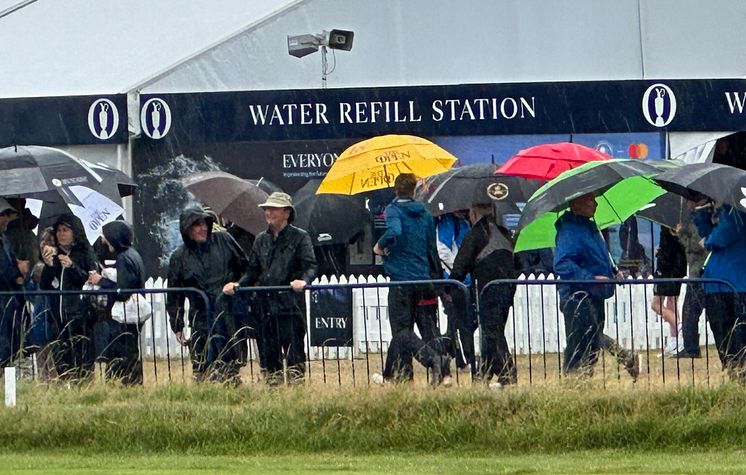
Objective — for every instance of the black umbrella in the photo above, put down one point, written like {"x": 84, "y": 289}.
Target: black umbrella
{"x": 42, "y": 172}
{"x": 63, "y": 183}
{"x": 231, "y": 197}
{"x": 329, "y": 218}
{"x": 719, "y": 182}
{"x": 667, "y": 210}
{"x": 460, "y": 188}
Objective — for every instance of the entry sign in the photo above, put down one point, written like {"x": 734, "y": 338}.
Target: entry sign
{"x": 331, "y": 317}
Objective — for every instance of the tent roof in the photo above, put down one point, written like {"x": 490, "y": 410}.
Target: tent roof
{"x": 78, "y": 47}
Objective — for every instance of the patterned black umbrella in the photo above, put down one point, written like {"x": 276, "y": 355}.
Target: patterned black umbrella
{"x": 460, "y": 188}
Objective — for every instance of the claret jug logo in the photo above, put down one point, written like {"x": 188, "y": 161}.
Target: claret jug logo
{"x": 155, "y": 118}
{"x": 659, "y": 105}
{"x": 103, "y": 119}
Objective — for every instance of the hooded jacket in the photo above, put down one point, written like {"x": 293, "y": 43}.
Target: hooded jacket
{"x": 55, "y": 277}
{"x": 130, "y": 267}
{"x": 410, "y": 242}
{"x": 207, "y": 266}
{"x": 580, "y": 254}
{"x": 726, "y": 242}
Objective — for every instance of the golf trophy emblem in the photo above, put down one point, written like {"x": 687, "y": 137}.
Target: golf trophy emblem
{"x": 659, "y": 105}
{"x": 155, "y": 118}
{"x": 103, "y": 119}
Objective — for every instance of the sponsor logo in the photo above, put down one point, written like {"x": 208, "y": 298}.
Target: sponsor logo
{"x": 103, "y": 119}
{"x": 659, "y": 105}
{"x": 155, "y": 118}
{"x": 498, "y": 191}
{"x": 743, "y": 201}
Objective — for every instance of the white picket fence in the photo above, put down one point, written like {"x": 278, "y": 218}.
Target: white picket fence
{"x": 535, "y": 325}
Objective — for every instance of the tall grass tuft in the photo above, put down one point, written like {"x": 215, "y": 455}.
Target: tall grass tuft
{"x": 210, "y": 419}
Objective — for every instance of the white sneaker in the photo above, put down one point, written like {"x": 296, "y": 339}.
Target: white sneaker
{"x": 495, "y": 386}
{"x": 674, "y": 346}
{"x": 447, "y": 381}
{"x": 378, "y": 379}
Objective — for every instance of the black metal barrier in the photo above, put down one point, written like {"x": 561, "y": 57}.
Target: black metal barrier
{"x": 537, "y": 325}
{"x": 347, "y": 333}
{"x": 44, "y": 345}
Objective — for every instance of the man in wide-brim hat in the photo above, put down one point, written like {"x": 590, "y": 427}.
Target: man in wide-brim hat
{"x": 282, "y": 255}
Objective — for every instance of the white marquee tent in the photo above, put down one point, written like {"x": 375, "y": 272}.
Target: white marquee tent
{"x": 84, "y": 47}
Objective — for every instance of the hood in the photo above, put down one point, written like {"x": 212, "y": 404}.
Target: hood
{"x": 190, "y": 216}
{"x": 411, "y": 207}
{"x": 119, "y": 235}
{"x": 74, "y": 223}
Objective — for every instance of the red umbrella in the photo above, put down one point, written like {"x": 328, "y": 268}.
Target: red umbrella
{"x": 544, "y": 162}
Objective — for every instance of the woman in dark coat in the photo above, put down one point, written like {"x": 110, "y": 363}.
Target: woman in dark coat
{"x": 123, "y": 351}
{"x": 67, "y": 266}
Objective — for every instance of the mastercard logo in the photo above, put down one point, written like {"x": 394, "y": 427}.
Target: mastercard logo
{"x": 637, "y": 150}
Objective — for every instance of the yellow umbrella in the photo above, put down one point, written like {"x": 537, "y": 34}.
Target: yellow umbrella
{"x": 375, "y": 163}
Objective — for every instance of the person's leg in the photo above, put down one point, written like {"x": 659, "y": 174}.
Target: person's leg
{"x": 692, "y": 310}
{"x": 293, "y": 344}
{"x": 582, "y": 334}
{"x": 124, "y": 357}
{"x": 198, "y": 352}
{"x": 402, "y": 306}
{"x": 270, "y": 349}
{"x": 716, "y": 306}
{"x": 407, "y": 345}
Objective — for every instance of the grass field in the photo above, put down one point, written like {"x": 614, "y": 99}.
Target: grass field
{"x": 588, "y": 427}
{"x": 586, "y": 462}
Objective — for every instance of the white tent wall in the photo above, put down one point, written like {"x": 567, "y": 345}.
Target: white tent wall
{"x": 396, "y": 44}
{"x": 478, "y": 41}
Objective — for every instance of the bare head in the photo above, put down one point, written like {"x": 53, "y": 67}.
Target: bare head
{"x": 404, "y": 185}
{"x": 584, "y": 205}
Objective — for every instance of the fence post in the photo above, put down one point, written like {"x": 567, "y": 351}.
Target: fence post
{"x": 10, "y": 386}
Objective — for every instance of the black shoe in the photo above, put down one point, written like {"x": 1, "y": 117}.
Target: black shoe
{"x": 632, "y": 365}
{"x": 688, "y": 354}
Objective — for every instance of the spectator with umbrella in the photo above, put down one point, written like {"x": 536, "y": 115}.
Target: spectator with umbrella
{"x": 67, "y": 266}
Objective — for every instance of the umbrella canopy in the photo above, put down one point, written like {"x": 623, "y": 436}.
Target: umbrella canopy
{"x": 55, "y": 182}
{"x": 29, "y": 170}
{"x": 622, "y": 187}
{"x": 720, "y": 182}
{"x": 459, "y": 188}
{"x": 375, "y": 163}
{"x": 231, "y": 197}
{"x": 547, "y": 161}
{"x": 329, "y": 218}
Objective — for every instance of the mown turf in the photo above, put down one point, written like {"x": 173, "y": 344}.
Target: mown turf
{"x": 211, "y": 420}
{"x": 448, "y": 462}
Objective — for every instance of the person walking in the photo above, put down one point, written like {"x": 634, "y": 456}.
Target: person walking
{"x": 205, "y": 261}
{"x": 281, "y": 255}
{"x": 671, "y": 264}
{"x": 581, "y": 254}
{"x": 409, "y": 253}
{"x": 487, "y": 254}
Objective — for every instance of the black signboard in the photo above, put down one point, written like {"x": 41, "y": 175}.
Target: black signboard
{"x": 467, "y": 109}
{"x": 73, "y": 120}
{"x": 331, "y": 317}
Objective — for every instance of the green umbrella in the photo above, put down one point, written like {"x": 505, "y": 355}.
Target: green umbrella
{"x": 622, "y": 187}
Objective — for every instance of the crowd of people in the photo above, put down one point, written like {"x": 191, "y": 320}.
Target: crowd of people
{"x": 71, "y": 332}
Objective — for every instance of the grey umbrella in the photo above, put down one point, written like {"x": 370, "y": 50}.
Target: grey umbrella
{"x": 230, "y": 197}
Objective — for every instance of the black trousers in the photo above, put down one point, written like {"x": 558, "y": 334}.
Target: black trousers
{"x": 73, "y": 351}
{"x": 405, "y": 346}
{"x": 584, "y": 325}
{"x": 123, "y": 353}
{"x": 496, "y": 358}
{"x": 726, "y": 313}
{"x": 281, "y": 337}
{"x": 694, "y": 304}
{"x": 460, "y": 331}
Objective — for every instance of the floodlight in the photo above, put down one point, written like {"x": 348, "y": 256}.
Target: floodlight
{"x": 303, "y": 45}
